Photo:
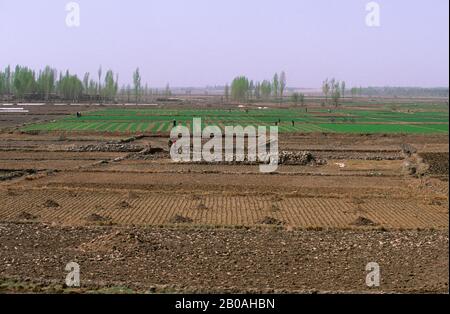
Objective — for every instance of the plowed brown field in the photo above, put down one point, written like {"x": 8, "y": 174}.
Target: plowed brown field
{"x": 144, "y": 208}
{"x": 117, "y": 211}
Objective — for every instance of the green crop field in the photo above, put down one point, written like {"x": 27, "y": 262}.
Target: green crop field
{"x": 408, "y": 119}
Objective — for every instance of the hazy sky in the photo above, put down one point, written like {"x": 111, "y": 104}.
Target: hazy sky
{"x": 208, "y": 42}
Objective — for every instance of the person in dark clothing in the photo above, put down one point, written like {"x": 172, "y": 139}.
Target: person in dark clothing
{"x": 174, "y": 123}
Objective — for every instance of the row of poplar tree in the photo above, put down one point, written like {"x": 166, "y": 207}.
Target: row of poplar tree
{"x": 243, "y": 89}
{"x": 24, "y": 83}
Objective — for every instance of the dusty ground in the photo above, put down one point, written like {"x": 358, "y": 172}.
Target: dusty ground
{"x": 226, "y": 260}
{"x": 145, "y": 223}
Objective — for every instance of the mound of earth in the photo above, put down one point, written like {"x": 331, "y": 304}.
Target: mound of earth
{"x": 178, "y": 219}
{"x": 363, "y": 221}
{"x": 132, "y": 195}
{"x": 26, "y": 216}
{"x": 11, "y": 192}
{"x": 271, "y": 221}
{"x": 115, "y": 241}
{"x": 123, "y": 204}
{"x": 51, "y": 204}
{"x": 357, "y": 201}
{"x": 202, "y": 206}
{"x": 275, "y": 208}
{"x": 96, "y": 218}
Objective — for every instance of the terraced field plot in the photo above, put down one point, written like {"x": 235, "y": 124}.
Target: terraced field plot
{"x": 83, "y": 207}
{"x": 320, "y": 120}
{"x": 158, "y": 193}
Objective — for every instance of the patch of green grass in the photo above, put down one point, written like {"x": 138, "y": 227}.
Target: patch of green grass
{"x": 414, "y": 118}
{"x": 385, "y": 128}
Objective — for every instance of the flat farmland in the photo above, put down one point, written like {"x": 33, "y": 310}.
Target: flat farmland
{"x": 94, "y": 189}
{"x": 187, "y": 151}
{"x": 299, "y": 120}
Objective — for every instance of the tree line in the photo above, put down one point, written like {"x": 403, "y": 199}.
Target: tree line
{"x": 333, "y": 90}
{"x": 405, "y": 91}
{"x": 21, "y": 83}
{"x": 243, "y": 89}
